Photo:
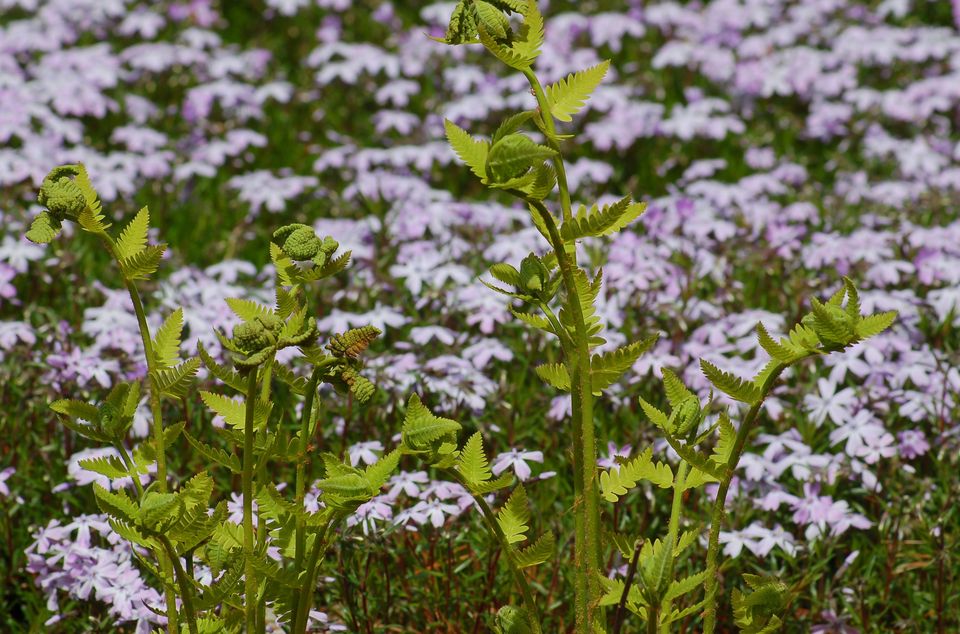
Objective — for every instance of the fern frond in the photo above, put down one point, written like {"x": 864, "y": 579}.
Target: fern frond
{"x": 617, "y": 481}
{"x": 731, "y": 385}
{"x": 538, "y": 552}
{"x": 555, "y": 374}
{"x": 607, "y": 368}
{"x": 421, "y": 428}
{"x": 472, "y": 462}
{"x": 471, "y": 151}
{"x": 143, "y": 264}
{"x": 166, "y": 343}
{"x": 566, "y": 97}
{"x": 514, "y": 516}
{"x": 176, "y": 381}
{"x": 602, "y": 221}
{"x": 133, "y": 238}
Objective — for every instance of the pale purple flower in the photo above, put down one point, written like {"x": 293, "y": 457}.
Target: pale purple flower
{"x": 829, "y": 403}
{"x": 517, "y": 460}
{"x": 365, "y": 452}
{"x": 406, "y": 482}
{"x": 913, "y": 443}
{"x": 4, "y": 476}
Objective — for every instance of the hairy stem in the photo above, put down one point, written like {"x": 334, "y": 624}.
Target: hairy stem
{"x": 494, "y": 526}
{"x": 305, "y": 598}
{"x": 620, "y": 614}
{"x": 301, "y": 481}
{"x": 673, "y": 527}
{"x": 719, "y": 504}
{"x": 183, "y": 580}
{"x": 586, "y": 503}
{"x": 249, "y": 576}
{"x": 156, "y": 427}
{"x": 551, "y": 129}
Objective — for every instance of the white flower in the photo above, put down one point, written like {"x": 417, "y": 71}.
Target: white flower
{"x": 364, "y": 452}
{"x": 516, "y": 458}
{"x": 406, "y": 482}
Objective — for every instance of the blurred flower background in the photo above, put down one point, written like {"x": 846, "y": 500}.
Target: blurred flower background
{"x": 780, "y": 144}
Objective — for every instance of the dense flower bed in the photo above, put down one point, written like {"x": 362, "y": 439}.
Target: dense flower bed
{"x": 779, "y": 144}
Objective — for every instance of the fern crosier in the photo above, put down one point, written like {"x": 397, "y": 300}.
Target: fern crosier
{"x": 566, "y": 296}
{"x": 179, "y": 521}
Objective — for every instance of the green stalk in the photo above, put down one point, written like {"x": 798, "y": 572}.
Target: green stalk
{"x": 551, "y": 129}
{"x": 305, "y": 600}
{"x": 586, "y": 502}
{"x": 673, "y": 528}
{"x": 249, "y": 578}
{"x": 301, "y": 482}
{"x": 719, "y": 505}
{"x": 127, "y": 460}
{"x": 186, "y": 590}
{"x": 173, "y": 626}
{"x": 494, "y": 526}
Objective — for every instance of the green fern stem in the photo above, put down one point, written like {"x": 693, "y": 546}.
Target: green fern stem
{"x": 586, "y": 503}
{"x": 128, "y": 461}
{"x": 304, "y": 599}
{"x": 306, "y": 432}
{"x": 497, "y": 533}
{"x": 673, "y": 527}
{"x": 173, "y": 626}
{"x": 183, "y": 580}
{"x": 249, "y": 574}
{"x": 551, "y": 129}
{"x": 719, "y": 504}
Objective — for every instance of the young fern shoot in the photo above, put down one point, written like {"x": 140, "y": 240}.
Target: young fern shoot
{"x": 555, "y": 285}
{"x": 176, "y": 523}
{"x": 562, "y": 298}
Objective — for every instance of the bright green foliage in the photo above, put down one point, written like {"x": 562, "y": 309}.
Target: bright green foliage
{"x": 602, "y": 221}
{"x": 538, "y": 552}
{"x": 172, "y": 523}
{"x": 568, "y": 96}
{"x": 422, "y": 430}
{"x": 758, "y": 611}
{"x": 514, "y": 517}
{"x": 607, "y": 368}
{"x": 133, "y": 238}
{"x": 656, "y": 559}
{"x": 555, "y": 374}
{"x": 730, "y": 384}
{"x": 617, "y": 481}
{"x": 166, "y": 343}
{"x": 472, "y": 462}
{"x": 511, "y": 159}
{"x": 144, "y": 263}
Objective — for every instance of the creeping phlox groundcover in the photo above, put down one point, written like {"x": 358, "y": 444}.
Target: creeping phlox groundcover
{"x": 244, "y": 460}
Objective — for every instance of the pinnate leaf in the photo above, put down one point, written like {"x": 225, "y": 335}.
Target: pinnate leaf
{"x": 731, "y": 385}
{"x": 566, "y": 97}
{"x": 514, "y": 516}
{"x": 133, "y": 238}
